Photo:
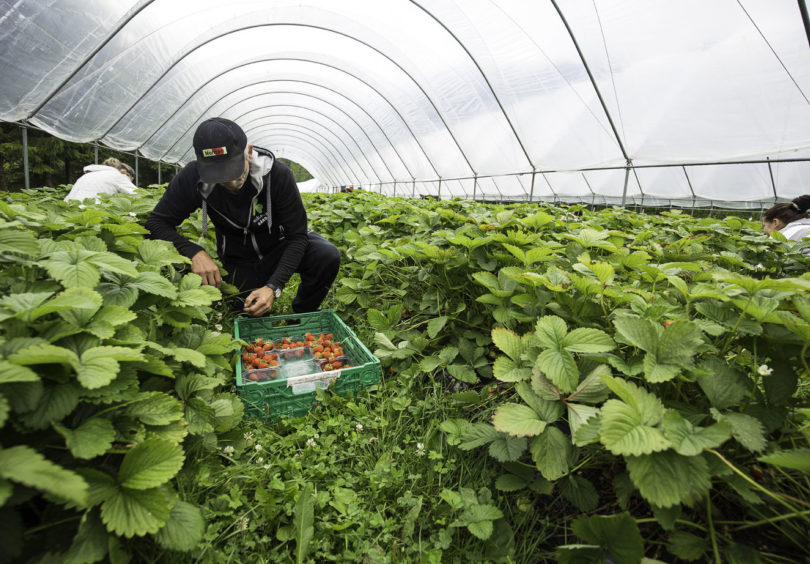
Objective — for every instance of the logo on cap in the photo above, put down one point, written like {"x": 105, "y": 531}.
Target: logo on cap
{"x": 214, "y": 151}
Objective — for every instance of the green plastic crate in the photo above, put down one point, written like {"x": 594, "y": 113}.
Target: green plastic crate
{"x": 269, "y": 400}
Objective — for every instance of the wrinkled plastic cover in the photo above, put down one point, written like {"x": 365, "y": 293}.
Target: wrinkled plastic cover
{"x": 492, "y": 99}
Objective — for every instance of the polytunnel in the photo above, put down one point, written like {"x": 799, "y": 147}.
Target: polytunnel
{"x": 646, "y": 102}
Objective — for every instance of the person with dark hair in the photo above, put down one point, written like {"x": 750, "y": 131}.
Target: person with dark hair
{"x": 790, "y": 219}
{"x": 258, "y": 216}
{"x": 110, "y": 177}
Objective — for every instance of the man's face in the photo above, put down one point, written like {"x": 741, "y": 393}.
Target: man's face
{"x": 235, "y": 186}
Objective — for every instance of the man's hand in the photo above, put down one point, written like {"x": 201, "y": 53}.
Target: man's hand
{"x": 260, "y": 301}
{"x": 204, "y": 265}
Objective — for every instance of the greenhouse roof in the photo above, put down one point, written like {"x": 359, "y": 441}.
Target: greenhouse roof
{"x": 604, "y": 101}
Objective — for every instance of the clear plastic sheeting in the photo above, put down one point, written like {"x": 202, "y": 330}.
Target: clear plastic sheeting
{"x": 641, "y": 102}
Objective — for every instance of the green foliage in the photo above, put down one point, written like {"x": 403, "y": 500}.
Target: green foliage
{"x": 90, "y": 420}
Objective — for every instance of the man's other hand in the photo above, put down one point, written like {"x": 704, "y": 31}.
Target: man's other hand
{"x": 260, "y": 301}
{"x": 204, "y": 265}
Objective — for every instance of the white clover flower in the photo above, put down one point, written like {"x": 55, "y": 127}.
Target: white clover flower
{"x": 311, "y": 442}
{"x": 133, "y": 214}
{"x": 316, "y": 435}
{"x": 219, "y": 315}
{"x": 259, "y": 460}
{"x": 359, "y": 427}
{"x": 420, "y": 449}
{"x": 228, "y": 450}
{"x": 266, "y": 467}
{"x": 765, "y": 370}
{"x": 243, "y": 523}
{"x": 248, "y": 436}
{"x": 82, "y": 207}
{"x": 218, "y": 327}
{"x": 258, "y": 448}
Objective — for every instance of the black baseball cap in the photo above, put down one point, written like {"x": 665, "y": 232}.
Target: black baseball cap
{"x": 220, "y": 148}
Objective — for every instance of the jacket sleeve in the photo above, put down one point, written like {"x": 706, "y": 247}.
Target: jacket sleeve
{"x": 288, "y": 210}
{"x": 179, "y": 201}
{"x": 124, "y": 186}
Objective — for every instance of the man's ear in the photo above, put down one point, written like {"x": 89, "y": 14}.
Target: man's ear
{"x": 250, "y": 152}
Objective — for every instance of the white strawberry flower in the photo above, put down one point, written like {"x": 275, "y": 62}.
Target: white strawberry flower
{"x": 359, "y": 427}
{"x": 420, "y": 449}
{"x": 133, "y": 214}
{"x": 765, "y": 370}
{"x": 228, "y": 450}
{"x": 311, "y": 442}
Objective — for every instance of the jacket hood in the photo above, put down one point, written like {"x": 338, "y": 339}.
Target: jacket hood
{"x": 260, "y": 166}
{"x": 98, "y": 168}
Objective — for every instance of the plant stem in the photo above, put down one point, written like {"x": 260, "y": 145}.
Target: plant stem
{"x": 712, "y": 534}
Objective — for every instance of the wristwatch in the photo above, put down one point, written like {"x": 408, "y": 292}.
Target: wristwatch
{"x": 276, "y": 291}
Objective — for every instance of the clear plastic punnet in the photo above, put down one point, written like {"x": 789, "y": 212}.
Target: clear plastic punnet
{"x": 600, "y": 101}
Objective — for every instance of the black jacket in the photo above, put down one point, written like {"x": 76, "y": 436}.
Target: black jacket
{"x": 249, "y": 226}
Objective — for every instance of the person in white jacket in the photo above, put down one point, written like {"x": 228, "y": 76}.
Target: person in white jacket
{"x": 110, "y": 177}
{"x": 790, "y": 219}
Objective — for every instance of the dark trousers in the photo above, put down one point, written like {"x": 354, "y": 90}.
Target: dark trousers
{"x": 318, "y": 270}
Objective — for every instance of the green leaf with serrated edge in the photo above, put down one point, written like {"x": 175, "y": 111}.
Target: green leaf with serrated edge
{"x": 505, "y": 370}
{"x": 646, "y": 405}
{"x": 639, "y": 332}
{"x": 510, "y": 483}
{"x": 580, "y": 492}
{"x": 6, "y": 489}
{"x": 72, "y": 268}
{"x": 548, "y": 411}
{"x": 517, "y": 420}
{"x": 26, "y": 466}
{"x": 550, "y": 452}
{"x": 15, "y": 373}
{"x": 578, "y": 415}
{"x": 723, "y": 385}
{"x": 304, "y": 522}
{"x": 623, "y": 488}
{"x": 193, "y": 357}
{"x": 476, "y": 434}
{"x": 150, "y": 464}
{"x": 666, "y": 516}
{"x": 463, "y": 373}
{"x": 83, "y": 302}
{"x": 508, "y": 342}
{"x": 617, "y": 534}
{"x": 560, "y": 368}
{"x": 506, "y": 448}
{"x": 429, "y": 364}
{"x": 448, "y": 354}
{"x": 795, "y": 459}
{"x": 748, "y": 430}
{"x": 588, "y": 432}
{"x": 667, "y": 478}
{"x": 185, "y": 528}
{"x": 687, "y": 546}
{"x": 153, "y": 283}
{"x": 543, "y": 388}
{"x": 157, "y": 253}
{"x": 175, "y": 431}
{"x": 115, "y": 315}
{"x": 592, "y": 389}
{"x": 435, "y": 326}
{"x": 113, "y": 263}
{"x": 130, "y": 513}
{"x": 624, "y": 432}
{"x": 90, "y": 542}
{"x": 550, "y": 331}
{"x": 586, "y": 340}
{"x": 100, "y": 485}
{"x": 54, "y": 404}
{"x": 99, "y": 365}
{"x": 43, "y": 354}
{"x": 90, "y": 439}
{"x": 689, "y": 440}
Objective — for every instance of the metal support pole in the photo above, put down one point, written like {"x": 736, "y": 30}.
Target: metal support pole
{"x": 805, "y": 18}
{"x": 475, "y": 186}
{"x": 531, "y": 190}
{"x": 159, "y": 182}
{"x": 95, "y": 153}
{"x": 25, "y": 157}
{"x": 773, "y": 184}
{"x": 626, "y": 180}
{"x": 136, "y": 168}
{"x": 414, "y": 186}
{"x": 440, "y": 189}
